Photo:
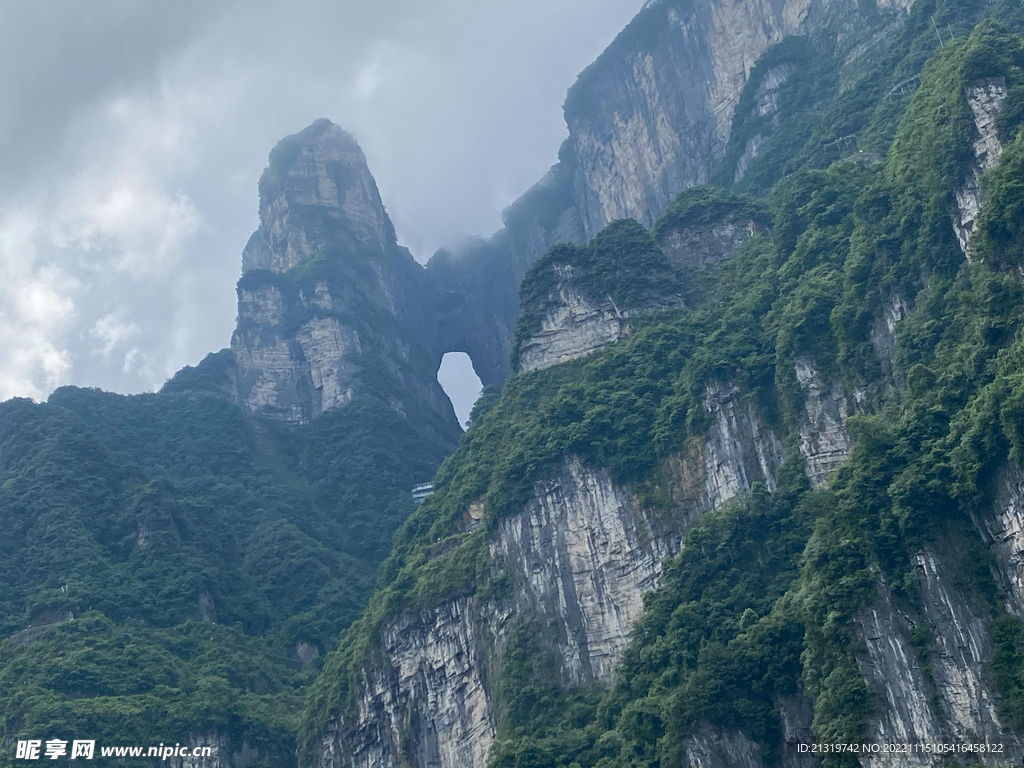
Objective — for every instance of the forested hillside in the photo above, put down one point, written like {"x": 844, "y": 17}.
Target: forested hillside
{"x": 183, "y": 563}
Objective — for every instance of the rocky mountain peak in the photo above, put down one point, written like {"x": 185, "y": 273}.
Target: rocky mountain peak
{"x": 317, "y": 195}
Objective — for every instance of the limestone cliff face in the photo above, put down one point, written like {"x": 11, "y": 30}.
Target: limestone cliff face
{"x": 985, "y": 100}
{"x": 766, "y": 104}
{"x": 1004, "y": 531}
{"x": 646, "y": 120}
{"x": 578, "y": 319}
{"x": 327, "y": 297}
{"x": 574, "y": 327}
{"x": 224, "y": 753}
{"x": 579, "y": 558}
{"x": 710, "y": 747}
{"x": 689, "y": 246}
{"x": 577, "y": 324}
{"x": 949, "y": 702}
{"x": 824, "y": 441}
{"x": 433, "y": 684}
{"x": 316, "y": 195}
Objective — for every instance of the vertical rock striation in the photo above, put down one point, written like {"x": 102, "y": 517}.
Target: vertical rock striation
{"x": 985, "y": 100}
{"x": 574, "y": 326}
{"x": 949, "y": 700}
{"x": 579, "y": 557}
{"x": 824, "y": 441}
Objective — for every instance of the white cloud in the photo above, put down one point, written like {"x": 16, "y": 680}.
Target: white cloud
{"x": 35, "y": 311}
{"x": 112, "y": 331}
{"x": 128, "y": 185}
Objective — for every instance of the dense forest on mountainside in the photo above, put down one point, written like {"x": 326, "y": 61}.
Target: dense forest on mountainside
{"x": 201, "y": 553}
{"x": 759, "y": 605}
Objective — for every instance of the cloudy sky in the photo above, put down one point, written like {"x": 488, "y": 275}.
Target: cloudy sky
{"x": 132, "y": 135}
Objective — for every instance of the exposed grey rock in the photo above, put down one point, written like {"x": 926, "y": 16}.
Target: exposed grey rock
{"x": 895, "y": 676}
{"x": 985, "y": 100}
{"x": 1004, "y": 532}
{"x": 951, "y": 702}
{"x": 574, "y": 327}
{"x": 645, "y": 122}
{"x": 883, "y": 332}
{"x": 580, "y": 556}
{"x": 824, "y": 441}
{"x": 712, "y": 748}
{"x": 796, "y": 713}
{"x": 583, "y": 550}
{"x": 432, "y": 686}
{"x": 302, "y": 341}
{"x": 577, "y": 324}
{"x": 740, "y": 449}
{"x": 960, "y": 656}
{"x": 766, "y": 104}
{"x": 316, "y": 194}
{"x": 224, "y": 753}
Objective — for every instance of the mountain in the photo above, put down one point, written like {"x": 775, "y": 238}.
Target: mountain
{"x": 176, "y": 562}
{"x": 755, "y": 481}
{"x": 746, "y": 470}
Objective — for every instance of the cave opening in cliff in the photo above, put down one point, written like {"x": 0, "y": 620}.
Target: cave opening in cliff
{"x": 460, "y": 382}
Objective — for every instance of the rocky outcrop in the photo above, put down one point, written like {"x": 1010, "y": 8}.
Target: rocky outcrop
{"x": 946, "y": 701}
{"x": 579, "y": 558}
{"x": 883, "y": 332}
{"x": 574, "y": 327}
{"x": 766, "y": 105}
{"x": 428, "y": 704}
{"x": 985, "y": 100}
{"x": 1003, "y": 530}
{"x": 317, "y": 195}
{"x": 824, "y": 441}
{"x": 712, "y": 748}
{"x": 688, "y": 247}
{"x": 740, "y": 449}
{"x": 217, "y": 750}
{"x": 292, "y": 374}
{"x": 646, "y": 121}
{"x": 579, "y": 299}
{"x": 584, "y": 552}
{"x": 326, "y": 292}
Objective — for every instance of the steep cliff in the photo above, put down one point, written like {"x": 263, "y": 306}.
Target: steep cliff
{"x": 578, "y": 558}
{"x": 328, "y": 302}
{"x": 796, "y": 464}
{"x": 578, "y": 299}
{"x": 984, "y": 100}
{"x": 649, "y": 118}
{"x": 758, "y": 481}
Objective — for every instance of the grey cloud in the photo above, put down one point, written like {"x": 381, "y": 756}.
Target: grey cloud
{"x": 133, "y": 135}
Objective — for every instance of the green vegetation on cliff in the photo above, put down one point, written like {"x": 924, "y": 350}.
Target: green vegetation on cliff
{"x": 762, "y": 603}
{"x": 622, "y": 264}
